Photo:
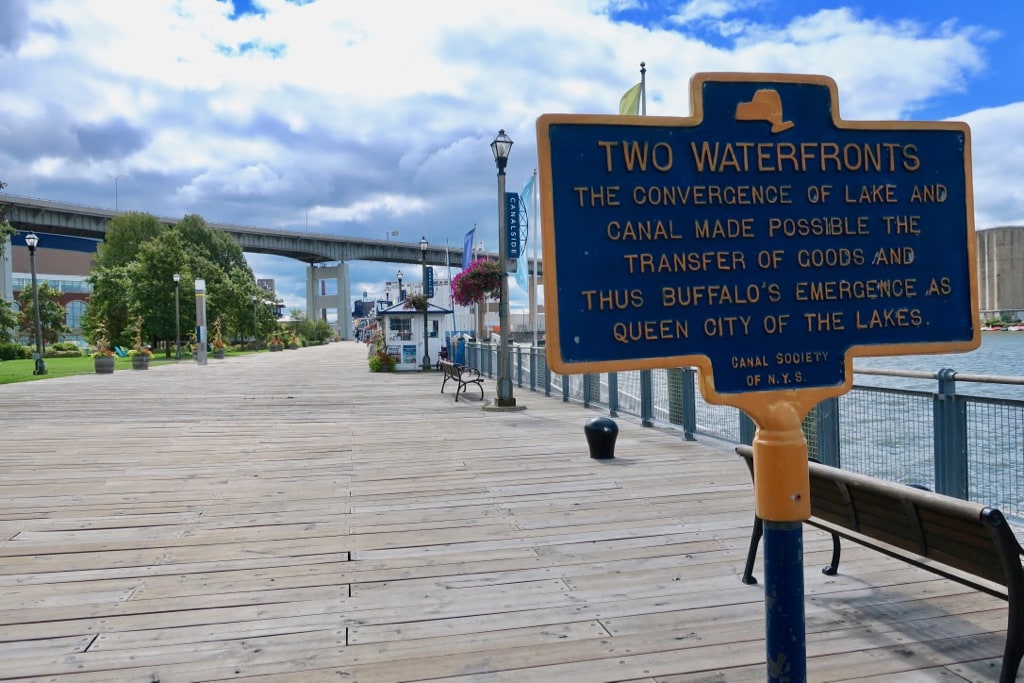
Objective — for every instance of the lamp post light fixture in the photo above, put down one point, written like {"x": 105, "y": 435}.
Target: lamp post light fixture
{"x": 501, "y": 147}
{"x": 426, "y": 304}
{"x": 32, "y": 241}
{"x": 401, "y": 294}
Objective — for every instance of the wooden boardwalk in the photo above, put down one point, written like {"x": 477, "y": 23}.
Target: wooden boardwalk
{"x": 293, "y": 517}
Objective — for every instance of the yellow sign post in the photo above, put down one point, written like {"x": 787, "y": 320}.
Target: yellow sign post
{"x": 767, "y": 242}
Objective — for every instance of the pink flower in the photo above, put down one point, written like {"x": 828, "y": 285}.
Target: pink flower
{"x": 478, "y": 282}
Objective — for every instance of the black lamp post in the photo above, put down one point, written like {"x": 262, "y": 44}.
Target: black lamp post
{"x": 426, "y": 304}
{"x": 501, "y": 147}
{"x": 401, "y": 294}
{"x": 31, "y": 240}
{"x": 115, "y": 177}
{"x": 177, "y": 316}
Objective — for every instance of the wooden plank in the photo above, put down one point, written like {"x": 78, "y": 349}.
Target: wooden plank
{"x": 302, "y": 519}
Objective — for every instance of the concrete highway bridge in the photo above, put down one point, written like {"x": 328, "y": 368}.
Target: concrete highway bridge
{"x": 42, "y": 215}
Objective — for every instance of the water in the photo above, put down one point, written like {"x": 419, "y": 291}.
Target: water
{"x": 894, "y": 438}
{"x": 1000, "y": 353}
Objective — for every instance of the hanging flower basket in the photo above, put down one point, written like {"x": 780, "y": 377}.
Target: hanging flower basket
{"x": 418, "y": 302}
{"x": 482, "y": 280}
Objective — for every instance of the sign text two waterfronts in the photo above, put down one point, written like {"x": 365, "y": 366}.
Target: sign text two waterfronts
{"x": 762, "y": 239}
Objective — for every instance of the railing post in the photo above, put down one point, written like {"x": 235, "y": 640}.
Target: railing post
{"x": 565, "y": 388}
{"x": 675, "y": 395}
{"x": 689, "y": 404}
{"x": 519, "y": 366}
{"x": 827, "y": 434}
{"x": 682, "y": 408}
{"x": 747, "y": 429}
{"x": 646, "y": 398}
{"x": 547, "y": 377}
{"x": 949, "y": 415}
{"x": 613, "y": 394}
{"x": 588, "y": 380}
{"x": 533, "y": 368}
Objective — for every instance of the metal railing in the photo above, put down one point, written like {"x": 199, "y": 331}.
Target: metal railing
{"x": 967, "y": 446}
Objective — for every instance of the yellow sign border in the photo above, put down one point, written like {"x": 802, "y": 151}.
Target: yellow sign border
{"x": 754, "y": 402}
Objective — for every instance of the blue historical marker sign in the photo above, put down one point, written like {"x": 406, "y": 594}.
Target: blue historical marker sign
{"x": 764, "y": 238}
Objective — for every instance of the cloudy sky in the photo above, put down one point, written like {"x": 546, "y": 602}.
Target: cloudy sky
{"x": 366, "y": 118}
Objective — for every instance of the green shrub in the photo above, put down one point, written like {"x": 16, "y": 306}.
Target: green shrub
{"x": 64, "y": 350}
{"x": 381, "y": 362}
{"x": 9, "y": 351}
{"x": 12, "y": 351}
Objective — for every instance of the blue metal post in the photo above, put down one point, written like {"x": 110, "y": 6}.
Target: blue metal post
{"x": 949, "y": 415}
{"x": 613, "y": 394}
{"x": 646, "y": 399}
{"x": 827, "y": 413}
{"x": 689, "y": 404}
{"x": 784, "y": 602}
{"x": 747, "y": 429}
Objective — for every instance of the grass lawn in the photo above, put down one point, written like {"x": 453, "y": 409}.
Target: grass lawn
{"x": 21, "y": 370}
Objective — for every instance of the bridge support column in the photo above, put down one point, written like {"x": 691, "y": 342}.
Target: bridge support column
{"x": 318, "y": 301}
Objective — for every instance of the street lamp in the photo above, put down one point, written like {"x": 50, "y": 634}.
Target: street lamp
{"x": 426, "y": 303}
{"x": 115, "y": 177}
{"x": 31, "y": 240}
{"x": 501, "y": 147}
{"x": 401, "y": 294}
{"x": 177, "y": 317}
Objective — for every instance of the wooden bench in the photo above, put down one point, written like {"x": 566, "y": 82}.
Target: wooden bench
{"x": 969, "y": 543}
{"x": 462, "y": 375}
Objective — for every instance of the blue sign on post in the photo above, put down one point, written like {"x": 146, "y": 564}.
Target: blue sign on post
{"x": 767, "y": 242}
{"x": 763, "y": 239}
{"x": 430, "y": 282}
{"x": 512, "y": 240}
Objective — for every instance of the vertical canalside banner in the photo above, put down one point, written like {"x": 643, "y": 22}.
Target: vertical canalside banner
{"x": 763, "y": 238}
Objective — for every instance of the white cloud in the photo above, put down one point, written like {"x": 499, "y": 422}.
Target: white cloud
{"x": 340, "y": 112}
{"x": 997, "y": 140}
{"x": 373, "y": 207}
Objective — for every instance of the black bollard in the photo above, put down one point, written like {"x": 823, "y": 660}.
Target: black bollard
{"x": 601, "y": 434}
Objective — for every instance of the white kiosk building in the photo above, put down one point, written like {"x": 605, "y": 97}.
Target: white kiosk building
{"x": 403, "y": 333}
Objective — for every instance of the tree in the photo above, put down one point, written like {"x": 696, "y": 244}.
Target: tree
{"x": 134, "y": 277}
{"x": 51, "y": 314}
{"x": 151, "y": 288}
{"x": 125, "y": 236}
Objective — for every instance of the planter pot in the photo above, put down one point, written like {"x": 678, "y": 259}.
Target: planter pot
{"x": 104, "y": 364}
{"x": 140, "y": 362}
{"x": 218, "y": 353}
{"x": 293, "y": 346}
{"x": 277, "y": 347}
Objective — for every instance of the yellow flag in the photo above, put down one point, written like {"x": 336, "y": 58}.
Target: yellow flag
{"x": 630, "y": 102}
